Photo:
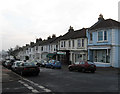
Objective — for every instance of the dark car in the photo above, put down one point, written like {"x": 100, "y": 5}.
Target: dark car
{"x": 83, "y": 66}
{"x": 8, "y": 63}
{"x": 28, "y": 68}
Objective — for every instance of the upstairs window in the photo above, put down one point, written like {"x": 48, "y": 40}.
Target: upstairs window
{"x": 62, "y": 44}
{"x": 79, "y": 42}
{"x": 69, "y": 43}
{"x": 105, "y": 35}
{"x": 42, "y": 48}
{"x": 82, "y": 42}
{"x": 102, "y": 35}
{"x": 91, "y": 36}
{"x": 73, "y": 44}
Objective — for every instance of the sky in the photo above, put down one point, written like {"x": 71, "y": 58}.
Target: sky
{"x": 22, "y": 21}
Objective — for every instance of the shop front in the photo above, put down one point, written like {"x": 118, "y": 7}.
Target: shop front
{"x": 77, "y": 56}
{"x": 100, "y": 56}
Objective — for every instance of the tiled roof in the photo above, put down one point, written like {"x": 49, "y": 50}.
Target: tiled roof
{"x": 44, "y": 42}
{"x": 75, "y": 34}
{"x": 108, "y": 23}
{"x": 79, "y": 34}
{"x": 57, "y": 39}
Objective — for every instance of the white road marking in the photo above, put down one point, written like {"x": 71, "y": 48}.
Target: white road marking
{"x": 47, "y": 90}
{"x": 25, "y": 84}
{"x": 41, "y": 87}
{"x": 35, "y": 91}
{"x": 29, "y": 87}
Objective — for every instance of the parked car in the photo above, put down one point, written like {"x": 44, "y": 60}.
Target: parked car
{"x": 43, "y": 63}
{"x": 3, "y": 62}
{"x": 8, "y": 63}
{"x": 54, "y": 64}
{"x": 83, "y": 66}
{"x": 15, "y": 65}
{"x": 28, "y": 68}
{"x": 35, "y": 62}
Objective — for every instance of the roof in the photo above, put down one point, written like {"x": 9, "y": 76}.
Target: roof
{"x": 75, "y": 34}
{"x": 79, "y": 33}
{"x": 57, "y": 39}
{"x": 108, "y": 23}
{"x": 44, "y": 42}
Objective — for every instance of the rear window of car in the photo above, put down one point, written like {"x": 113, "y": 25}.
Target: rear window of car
{"x": 29, "y": 64}
{"x": 76, "y": 62}
{"x": 90, "y": 62}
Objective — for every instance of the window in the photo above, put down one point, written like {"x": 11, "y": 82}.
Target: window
{"x": 102, "y": 36}
{"x": 79, "y": 42}
{"x": 42, "y": 48}
{"x": 69, "y": 43}
{"x": 105, "y": 35}
{"x": 73, "y": 44}
{"x": 82, "y": 42}
{"x": 91, "y": 36}
{"x": 36, "y": 48}
{"x": 64, "y": 44}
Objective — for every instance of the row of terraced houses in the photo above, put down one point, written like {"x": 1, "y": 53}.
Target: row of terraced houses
{"x": 100, "y": 44}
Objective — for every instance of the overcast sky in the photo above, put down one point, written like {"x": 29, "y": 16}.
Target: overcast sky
{"x": 22, "y": 21}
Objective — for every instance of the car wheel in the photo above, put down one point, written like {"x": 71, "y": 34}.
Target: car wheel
{"x": 92, "y": 71}
{"x": 83, "y": 69}
{"x": 52, "y": 67}
{"x": 70, "y": 69}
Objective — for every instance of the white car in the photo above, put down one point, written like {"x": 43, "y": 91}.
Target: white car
{"x": 16, "y": 64}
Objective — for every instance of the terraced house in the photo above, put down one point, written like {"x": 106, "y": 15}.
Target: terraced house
{"x": 104, "y": 42}
{"x": 100, "y": 44}
{"x": 74, "y": 45}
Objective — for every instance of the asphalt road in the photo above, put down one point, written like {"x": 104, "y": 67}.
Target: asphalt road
{"x": 63, "y": 81}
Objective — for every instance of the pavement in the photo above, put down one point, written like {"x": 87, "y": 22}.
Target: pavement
{"x": 7, "y": 76}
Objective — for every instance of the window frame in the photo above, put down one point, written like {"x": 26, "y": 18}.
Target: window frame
{"x": 79, "y": 43}
{"x": 103, "y": 36}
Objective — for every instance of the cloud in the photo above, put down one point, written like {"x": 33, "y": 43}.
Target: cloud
{"x": 22, "y": 21}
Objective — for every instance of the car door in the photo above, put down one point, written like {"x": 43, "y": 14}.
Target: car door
{"x": 81, "y": 65}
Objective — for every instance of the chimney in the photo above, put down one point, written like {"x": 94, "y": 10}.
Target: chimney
{"x": 49, "y": 37}
{"x": 53, "y": 36}
{"x": 40, "y": 39}
{"x": 31, "y": 43}
{"x": 27, "y": 44}
{"x": 100, "y": 17}
{"x": 37, "y": 40}
{"x": 71, "y": 29}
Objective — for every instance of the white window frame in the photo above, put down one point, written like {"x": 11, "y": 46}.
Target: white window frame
{"x": 78, "y": 43}
{"x": 103, "y": 36}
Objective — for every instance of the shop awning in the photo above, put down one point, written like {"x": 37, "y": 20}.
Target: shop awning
{"x": 50, "y": 55}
